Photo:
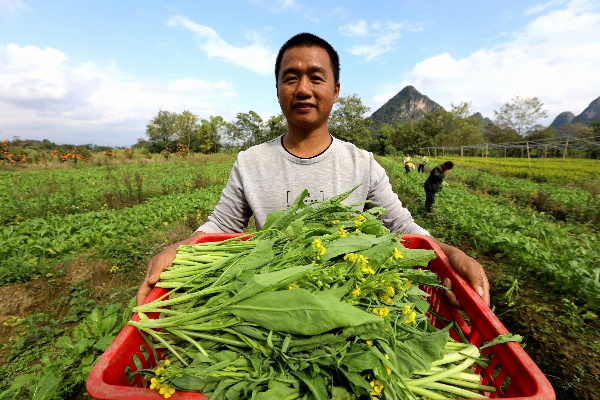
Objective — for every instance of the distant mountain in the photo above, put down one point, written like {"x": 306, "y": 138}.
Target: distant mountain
{"x": 562, "y": 118}
{"x": 407, "y": 105}
{"x": 486, "y": 120}
{"x": 590, "y": 114}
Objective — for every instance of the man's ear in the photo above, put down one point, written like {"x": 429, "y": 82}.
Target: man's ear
{"x": 336, "y": 92}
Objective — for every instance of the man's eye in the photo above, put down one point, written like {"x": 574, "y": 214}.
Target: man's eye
{"x": 289, "y": 79}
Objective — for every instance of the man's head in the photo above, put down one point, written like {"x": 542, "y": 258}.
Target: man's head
{"x": 448, "y": 165}
{"x": 307, "y": 83}
{"x": 308, "y": 40}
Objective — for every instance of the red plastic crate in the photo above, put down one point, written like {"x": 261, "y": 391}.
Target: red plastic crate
{"x": 511, "y": 371}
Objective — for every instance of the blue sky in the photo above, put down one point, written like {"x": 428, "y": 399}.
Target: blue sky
{"x": 97, "y": 71}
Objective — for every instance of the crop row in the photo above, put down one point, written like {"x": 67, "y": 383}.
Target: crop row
{"x": 572, "y": 172}
{"x": 567, "y": 257}
{"x": 569, "y": 204}
{"x": 49, "y": 192}
{"x": 31, "y": 248}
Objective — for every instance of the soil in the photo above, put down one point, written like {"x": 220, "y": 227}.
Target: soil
{"x": 564, "y": 346}
{"x": 44, "y": 295}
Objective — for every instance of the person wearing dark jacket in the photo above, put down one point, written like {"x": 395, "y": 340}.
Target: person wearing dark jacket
{"x": 433, "y": 184}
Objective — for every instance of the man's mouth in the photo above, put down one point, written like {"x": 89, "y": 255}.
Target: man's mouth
{"x": 303, "y": 106}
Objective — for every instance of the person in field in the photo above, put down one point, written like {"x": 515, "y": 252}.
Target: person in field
{"x": 406, "y": 163}
{"x": 424, "y": 160}
{"x": 269, "y": 176}
{"x": 433, "y": 183}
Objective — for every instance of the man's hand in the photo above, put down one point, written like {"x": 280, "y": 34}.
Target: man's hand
{"x": 158, "y": 264}
{"x": 469, "y": 269}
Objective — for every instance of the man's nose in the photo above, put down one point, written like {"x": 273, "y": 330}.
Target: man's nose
{"x": 303, "y": 89}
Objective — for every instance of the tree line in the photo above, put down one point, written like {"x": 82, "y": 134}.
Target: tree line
{"x": 515, "y": 121}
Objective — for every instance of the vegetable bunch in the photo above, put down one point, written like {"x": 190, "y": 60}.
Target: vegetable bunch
{"x": 322, "y": 303}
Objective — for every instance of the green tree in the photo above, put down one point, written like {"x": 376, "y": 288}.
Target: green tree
{"x": 542, "y": 133}
{"x": 347, "y": 121}
{"x": 383, "y": 144}
{"x": 410, "y": 137}
{"x": 276, "y": 126}
{"x": 458, "y": 127}
{"x": 495, "y": 134}
{"x": 520, "y": 114}
{"x": 186, "y": 126}
{"x": 210, "y": 133}
{"x": 577, "y": 130}
{"x": 246, "y": 130}
{"x": 162, "y": 131}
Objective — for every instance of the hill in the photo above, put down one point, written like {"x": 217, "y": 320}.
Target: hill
{"x": 408, "y": 104}
{"x": 590, "y": 114}
{"x": 565, "y": 117}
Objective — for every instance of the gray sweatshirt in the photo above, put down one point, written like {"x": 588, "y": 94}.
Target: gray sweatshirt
{"x": 266, "y": 178}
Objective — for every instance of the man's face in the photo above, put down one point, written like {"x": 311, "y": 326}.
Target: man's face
{"x": 306, "y": 87}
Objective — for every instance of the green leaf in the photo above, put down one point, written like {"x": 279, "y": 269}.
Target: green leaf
{"x": 299, "y": 311}
{"x": 261, "y": 282}
{"x": 351, "y": 244}
{"x": 64, "y": 342}
{"x": 507, "y": 337}
{"x": 315, "y": 383}
{"x": 361, "y": 361}
{"x": 278, "y": 390}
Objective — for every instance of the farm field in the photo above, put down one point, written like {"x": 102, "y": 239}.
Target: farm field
{"x": 76, "y": 242}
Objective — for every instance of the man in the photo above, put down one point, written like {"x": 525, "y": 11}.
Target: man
{"x": 406, "y": 163}
{"x": 422, "y": 163}
{"x": 269, "y": 176}
{"x": 433, "y": 183}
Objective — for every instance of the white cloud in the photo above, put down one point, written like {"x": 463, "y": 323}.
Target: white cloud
{"x": 256, "y": 57}
{"x": 382, "y": 37}
{"x": 11, "y": 8}
{"x": 543, "y": 7}
{"x": 556, "y": 57}
{"x": 43, "y": 96}
{"x": 361, "y": 28}
{"x": 277, "y": 6}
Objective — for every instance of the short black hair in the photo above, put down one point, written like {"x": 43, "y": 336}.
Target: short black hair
{"x": 309, "y": 40}
{"x": 449, "y": 164}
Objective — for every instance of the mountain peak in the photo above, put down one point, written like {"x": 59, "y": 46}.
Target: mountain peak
{"x": 590, "y": 114}
{"x": 407, "y": 105}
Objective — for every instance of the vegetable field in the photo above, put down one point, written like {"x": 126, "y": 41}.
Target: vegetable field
{"x": 76, "y": 240}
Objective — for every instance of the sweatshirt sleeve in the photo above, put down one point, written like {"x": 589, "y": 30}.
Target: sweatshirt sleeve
{"x": 398, "y": 218}
{"x": 232, "y": 212}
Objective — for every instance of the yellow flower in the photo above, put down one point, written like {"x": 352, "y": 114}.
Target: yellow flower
{"x": 343, "y": 232}
{"x": 406, "y": 309}
{"x": 166, "y": 391}
{"x": 368, "y": 270}
{"x": 369, "y": 342}
{"x": 388, "y": 369}
{"x": 411, "y": 318}
{"x": 317, "y": 245}
{"x": 350, "y": 257}
{"x": 359, "y": 220}
{"x": 389, "y": 291}
{"x": 382, "y": 312}
{"x": 335, "y": 222}
{"x": 408, "y": 284}
{"x": 362, "y": 261}
{"x": 356, "y": 292}
{"x": 167, "y": 362}
{"x": 397, "y": 253}
{"x": 154, "y": 384}
{"x": 377, "y": 389}
{"x": 293, "y": 286}
{"x": 386, "y": 299}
